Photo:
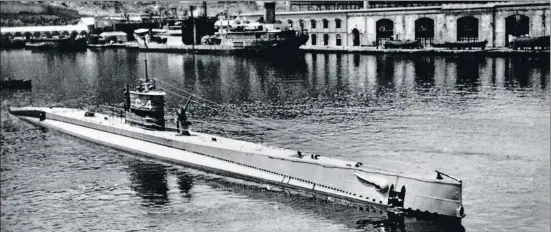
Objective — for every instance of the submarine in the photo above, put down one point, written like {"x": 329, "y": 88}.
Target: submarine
{"x": 141, "y": 130}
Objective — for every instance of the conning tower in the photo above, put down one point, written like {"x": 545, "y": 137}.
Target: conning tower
{"x": 144, "y": 106}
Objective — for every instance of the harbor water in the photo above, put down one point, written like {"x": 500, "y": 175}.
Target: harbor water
{"x": 485, "y": 120}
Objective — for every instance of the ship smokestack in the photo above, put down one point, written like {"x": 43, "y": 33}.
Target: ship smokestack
{"x": 269, "y": 12}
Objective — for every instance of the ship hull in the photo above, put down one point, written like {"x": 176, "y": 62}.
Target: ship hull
{"x": 266, "y": 47}
{"x": 320, "y": 175}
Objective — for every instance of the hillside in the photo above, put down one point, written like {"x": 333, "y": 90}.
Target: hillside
{"x": 119, "y": 7}
{"x": 25, "y": 13}
{"x": 31, "y": 14}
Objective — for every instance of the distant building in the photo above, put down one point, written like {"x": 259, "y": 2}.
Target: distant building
{"x": 351, "y": 5}
{"x": 331, "y": 24}
{"x": 325, "y": 5}
{"x": 389, "y": 4}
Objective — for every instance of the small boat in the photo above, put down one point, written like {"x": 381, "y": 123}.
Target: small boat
{"x": 407, "y": 44}
{"x": 73, "y": 44}
{"x": 15, "y": 84}
{"x": 462, "y": 45}
{"x": 111, "y": 39}
{"x": 63, "y": 44}
{"x": 12, "y": 43}
{"x": 96, "y": 46}
{"x": 132, "y": 44}
{"x": 41, "y": 45}
{"x": 541, "y": 42}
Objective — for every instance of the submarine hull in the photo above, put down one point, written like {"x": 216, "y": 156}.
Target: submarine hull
{"x": 418, "y": 194}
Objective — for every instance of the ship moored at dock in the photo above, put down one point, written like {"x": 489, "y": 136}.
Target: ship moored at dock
{"x": 232, "y": 35}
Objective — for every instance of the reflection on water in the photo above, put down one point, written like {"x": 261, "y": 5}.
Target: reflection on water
{"x": 150, "y": 181}
{"x": 185, "y": 183}
{"x": 472, "y": 116}
{"x": 237, "y": 80}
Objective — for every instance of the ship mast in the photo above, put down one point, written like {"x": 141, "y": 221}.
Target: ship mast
{"x": 191, "y": 8}
{"x": 145, "y": 43}
{"x": 146, "y": 76}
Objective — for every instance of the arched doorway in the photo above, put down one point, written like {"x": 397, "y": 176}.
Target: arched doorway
{"x": 355, "y": 37}
{"x": 385, "y": 31}
{"x": 467, "y": 29}
{"x": 516, "y": 26}
{"x": 7, "y": 36}
{"x": 314, "y": 38}
{"x": 424, "y": 31}
{"x": 325, "y": 39}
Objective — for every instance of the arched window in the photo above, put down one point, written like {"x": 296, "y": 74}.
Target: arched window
{"x": 338, "y": 40}
{"x": 467, "y": 29}
{"x": 338, "y": 23}
{"x": 301, "y": 23}
{"x": 37, "y": 34}
{"x": 290, "y": 22}
{"x": 385, "y": 30}
{"x": 325, "y": 39}
{"x": 325, "y": 23}
{"x": 424, "y": 31}
{"x": 313, "y": 24}
{"x": 516, "y": 26}
{"x": 48, "y": 34}
{"x": 313, "y": 39}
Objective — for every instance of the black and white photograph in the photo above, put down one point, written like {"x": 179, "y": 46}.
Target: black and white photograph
{"x": 373, "y": 116}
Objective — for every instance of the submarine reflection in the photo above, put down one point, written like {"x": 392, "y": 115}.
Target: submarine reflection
{"x": 151, "y": 181}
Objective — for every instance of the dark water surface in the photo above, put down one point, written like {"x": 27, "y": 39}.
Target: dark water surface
{"x": 485, "y": 120}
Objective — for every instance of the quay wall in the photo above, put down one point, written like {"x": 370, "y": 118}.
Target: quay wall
{"x": 494, "y": 22}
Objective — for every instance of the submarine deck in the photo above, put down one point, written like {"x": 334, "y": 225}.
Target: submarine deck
{"x": 243, "y": 146}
